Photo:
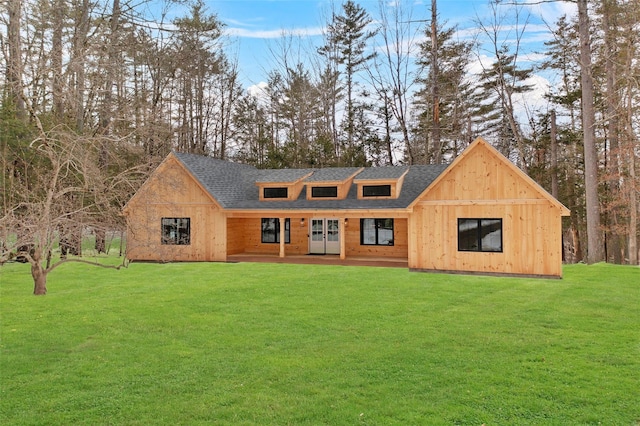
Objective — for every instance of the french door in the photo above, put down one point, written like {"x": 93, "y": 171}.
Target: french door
{"x": 324, "y": 236}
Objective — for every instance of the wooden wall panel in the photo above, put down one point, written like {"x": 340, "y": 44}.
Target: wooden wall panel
{"x": 208, "y": 233}
{"x": 531, "y": 239}
{"x": 482, "y": 176}
{"x": 235, "y": 236}
{"x": 253, "y": 235}
{"x": 398, "y": 250}
{"x": 171, "y": 192}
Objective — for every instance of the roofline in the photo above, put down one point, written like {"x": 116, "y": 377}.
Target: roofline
{"x": 205, "y": 190}
{"x": 155, "y": 172}
{"x": 351, "y": 213}
{"x": 146, "y": 183}
{"x": 564, "y": 211}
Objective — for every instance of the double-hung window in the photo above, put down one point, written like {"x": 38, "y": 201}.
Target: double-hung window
{"x": 376, "y": 232}
{"x": 271, "y": 230}
{"x": 176, "y": 231}
{"x": 483, "y": 235}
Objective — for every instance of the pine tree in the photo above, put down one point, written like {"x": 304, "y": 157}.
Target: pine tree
{"x": 348, "y": 37}
{"x": 451, "y": 106}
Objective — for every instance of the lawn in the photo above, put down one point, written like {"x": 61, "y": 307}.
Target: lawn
{"x": 248, "y": 344}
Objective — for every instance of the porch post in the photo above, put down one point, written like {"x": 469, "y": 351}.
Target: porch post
{"x": 281, "y": 236}
{"x": 343, "y": 245}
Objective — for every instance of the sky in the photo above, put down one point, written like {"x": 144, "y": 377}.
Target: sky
{"x": 255, "y": 30}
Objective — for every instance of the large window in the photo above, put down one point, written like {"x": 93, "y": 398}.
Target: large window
{"x": 275, "y": 192}
{"x": 377, "y": 232}
{"x": 271, "y": 230}
{"x": 376, "y": 190}
{"x": 176, "y": 231}
{"x": 480, "y": 235}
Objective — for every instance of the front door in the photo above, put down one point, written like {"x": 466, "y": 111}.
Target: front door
{"x": 324, "y": 236}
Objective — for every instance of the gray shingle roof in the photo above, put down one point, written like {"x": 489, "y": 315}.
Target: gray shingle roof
{"x": 332, "y": 174}
{"x": 281, "y": 175}
{"x": 389, "y": 172}
{"x": 234, "y": 186}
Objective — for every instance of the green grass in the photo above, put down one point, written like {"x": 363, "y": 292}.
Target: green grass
{"x": 247, "y": 344}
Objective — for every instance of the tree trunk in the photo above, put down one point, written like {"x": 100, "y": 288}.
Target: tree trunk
{"x": 39, "y": 274}
{"x": 595, "y": 249}
{"x": 634, "y": 252}
{"x": 56, "y": 60}
{"x": 14, "y": 63}
{"x": 435, "y": 95}
{"x": 554, "y": 156}
{"x": 78, "y": 62}
{"x": 614, "y": 239}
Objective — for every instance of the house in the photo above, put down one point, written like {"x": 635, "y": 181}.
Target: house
{"x": 480, "y": 213}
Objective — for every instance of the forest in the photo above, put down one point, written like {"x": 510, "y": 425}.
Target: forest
{"x": 95, "y": 94}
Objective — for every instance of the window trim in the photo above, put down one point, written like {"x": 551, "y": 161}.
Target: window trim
{"x": 479, "y": 235}
{"x": 333, "y": 187}
{"x": 287, "y": 230}
{"x": 276, "y": 192}
{"x": 378, "y": 225}
{"x": 178, "y": 239}
{"x": 378, "y": 187}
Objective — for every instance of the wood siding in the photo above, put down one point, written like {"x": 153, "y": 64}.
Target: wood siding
{"x": 531, "y": 235}
{"x": 172, "y": 192}
{"x": 249, "y": 231}
{"x": 485, "y": 185}
{"x": 399, "y": 249}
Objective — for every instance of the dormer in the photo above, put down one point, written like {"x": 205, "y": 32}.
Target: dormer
{"x": 380, "y": 183}
{"x": 330, "y": 183}
{"x": 281, "y": 185}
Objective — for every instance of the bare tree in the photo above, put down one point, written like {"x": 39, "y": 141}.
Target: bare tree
{"x": 68, "y": 192}
{"x": 392, "y": 75}
{"x": 504, "y": 77}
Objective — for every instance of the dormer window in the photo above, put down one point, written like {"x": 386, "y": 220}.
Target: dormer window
{"x": 380, "y": 183}
{"x": 324, "y": 192}
{"x": 376, "y": 190}
{"x": 277, "y": 192}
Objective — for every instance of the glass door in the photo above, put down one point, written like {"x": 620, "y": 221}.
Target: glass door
{"x": 324, "y": 236}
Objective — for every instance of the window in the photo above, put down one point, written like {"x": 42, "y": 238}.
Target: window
{"x": 376, "y": 190}
{"x": 480, "y": 235}
{"x": 324, "y": 192}
{"x": 377, "y": 232}
{"x": 271, "y": 230}
{"x": 275, "y": 193}
{"x": 176, "y": 231}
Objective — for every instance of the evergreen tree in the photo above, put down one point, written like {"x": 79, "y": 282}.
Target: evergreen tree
{"x": 348, "y": 37}
{"x": 453, "y": 97}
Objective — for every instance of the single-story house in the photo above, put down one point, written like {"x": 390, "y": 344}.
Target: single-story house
{"x": 480, "y": 213}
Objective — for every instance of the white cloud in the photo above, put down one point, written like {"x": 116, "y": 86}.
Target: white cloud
{"x": 259, "y": 91}
{"x": 551, "y": 12}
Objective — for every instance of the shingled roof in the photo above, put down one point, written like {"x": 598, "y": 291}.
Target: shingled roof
{"x": 234, "y": 185}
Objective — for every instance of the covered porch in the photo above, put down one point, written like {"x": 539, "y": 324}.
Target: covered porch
{"x": 318, "y": 238}
{"x": 327, "y": 259}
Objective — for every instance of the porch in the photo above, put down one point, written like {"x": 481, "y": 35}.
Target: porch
{"x": 327, "y": 259}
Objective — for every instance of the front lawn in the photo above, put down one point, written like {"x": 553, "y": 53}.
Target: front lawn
{"x": 277, "y": 344}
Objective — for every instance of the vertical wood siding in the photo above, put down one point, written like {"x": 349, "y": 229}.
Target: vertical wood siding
{"x": 171, "y": 192}
{"x": 531, "y": 224}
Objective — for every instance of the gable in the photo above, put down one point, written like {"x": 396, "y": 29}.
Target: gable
{"x": 481, "y": 173}
{"x": 170, "y": 183}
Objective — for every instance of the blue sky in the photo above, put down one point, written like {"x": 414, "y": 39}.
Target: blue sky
{"x": 254, "y": 28}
